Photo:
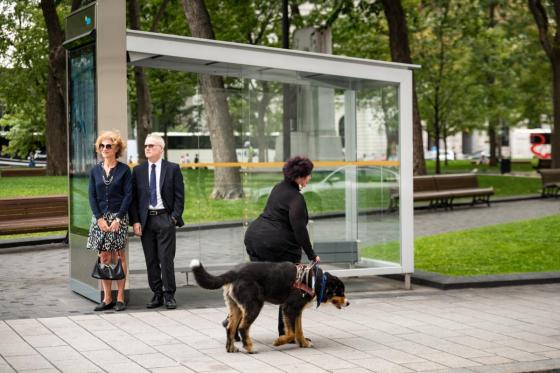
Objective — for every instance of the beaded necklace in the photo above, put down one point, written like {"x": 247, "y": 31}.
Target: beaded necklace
{"x": 107, "y": 180}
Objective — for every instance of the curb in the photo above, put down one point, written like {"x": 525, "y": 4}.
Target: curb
{"x": 33, "y": 241}
{"x": 442, "y": 282}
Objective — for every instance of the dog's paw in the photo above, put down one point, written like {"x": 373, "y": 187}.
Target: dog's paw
{"x": 232, "y": 349}
{"x": 279, "y": 342}
{"x": 306, "y": 344}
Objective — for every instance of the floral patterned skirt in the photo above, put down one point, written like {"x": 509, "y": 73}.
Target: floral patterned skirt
{"x": 107, "y": 241}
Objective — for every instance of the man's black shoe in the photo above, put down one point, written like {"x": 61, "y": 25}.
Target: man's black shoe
{"x": 170, "y": 304}
{"x": 156, "y": 302}
{"x": 104, "y": 306}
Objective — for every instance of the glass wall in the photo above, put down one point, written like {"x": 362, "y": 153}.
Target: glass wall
{"x": 231, "y": 134}
{"x": 82, "y": 156}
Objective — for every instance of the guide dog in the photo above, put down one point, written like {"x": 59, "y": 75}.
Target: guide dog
{"x": 247, "y": 286}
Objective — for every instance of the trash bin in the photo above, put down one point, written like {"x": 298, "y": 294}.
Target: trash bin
{"x": 505, "y": 166}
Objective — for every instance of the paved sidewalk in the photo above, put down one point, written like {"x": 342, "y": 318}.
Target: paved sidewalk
{"x": 515, "y": 329}
{"x": 47, "y": 327}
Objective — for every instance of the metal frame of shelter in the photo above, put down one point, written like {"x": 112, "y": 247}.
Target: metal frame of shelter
{"x": 285, "y": 65}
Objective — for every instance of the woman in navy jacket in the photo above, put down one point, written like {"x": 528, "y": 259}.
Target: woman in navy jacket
{"x": 110, "y": 195}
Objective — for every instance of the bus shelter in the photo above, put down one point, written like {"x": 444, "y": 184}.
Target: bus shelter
{"x": 352, "y": 117}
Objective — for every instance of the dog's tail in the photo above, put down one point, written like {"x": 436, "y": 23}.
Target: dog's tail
{"x": 207, "y": 280}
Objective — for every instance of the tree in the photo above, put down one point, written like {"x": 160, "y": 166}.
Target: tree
{"x": 143, "y": 99}
{"x": 227, "y": 180}
{"x": 549, "y": 37}
{"x": 56, "y": 133}
{"x": 22, "y": 77}
{"x": 400, "y": 52}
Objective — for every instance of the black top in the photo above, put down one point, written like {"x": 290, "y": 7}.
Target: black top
{"x": 110, "y": 193}
{"x": 280, "y": 232}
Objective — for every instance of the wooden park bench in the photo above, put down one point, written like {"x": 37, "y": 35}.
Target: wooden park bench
{"x": 550, "y": 182}
{"x": 30, "y": 171}
{"x": 442, "y": 190}
{"x": 33, "y": 214}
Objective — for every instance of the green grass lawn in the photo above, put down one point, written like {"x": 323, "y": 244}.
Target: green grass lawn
{"x": 527, "y": 246}
{"x": 467, "y": 165}
{"x": 27, "y": 186}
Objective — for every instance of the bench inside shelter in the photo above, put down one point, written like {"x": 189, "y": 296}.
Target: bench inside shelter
{"x": 33, "y": 214}
{"x": 329, "y": 251}
{"x": 443, "y": 190}
{"x": 550, "y": 179}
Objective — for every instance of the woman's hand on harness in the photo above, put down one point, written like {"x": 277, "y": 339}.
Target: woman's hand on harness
{"x": 317, "y": 259}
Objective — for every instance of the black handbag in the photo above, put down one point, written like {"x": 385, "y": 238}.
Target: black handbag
{"x": 108, "y": 271}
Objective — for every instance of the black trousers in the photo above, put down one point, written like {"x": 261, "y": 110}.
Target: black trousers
{"x": 158, "y": 242}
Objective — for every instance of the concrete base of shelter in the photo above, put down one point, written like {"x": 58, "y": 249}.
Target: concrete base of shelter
{"x": 460, "y": 282}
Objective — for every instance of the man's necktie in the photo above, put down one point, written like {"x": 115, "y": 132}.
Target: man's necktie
{"x": 153, "y": 190}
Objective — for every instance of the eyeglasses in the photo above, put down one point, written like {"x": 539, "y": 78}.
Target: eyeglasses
{"x": 106, "y": 146}
{"x": 150, "y": 146}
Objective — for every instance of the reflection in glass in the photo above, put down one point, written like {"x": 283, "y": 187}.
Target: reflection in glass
{"x": 83, "y": 130}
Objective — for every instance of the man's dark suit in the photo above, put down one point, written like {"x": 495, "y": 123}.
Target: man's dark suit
{"x": 158, "y": 232}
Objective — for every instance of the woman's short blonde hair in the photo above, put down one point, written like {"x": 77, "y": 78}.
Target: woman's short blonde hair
{"x": 116, "y": 140}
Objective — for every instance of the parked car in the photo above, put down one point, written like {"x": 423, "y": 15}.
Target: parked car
{"x": 481, "y": 154}
{"x": 431, "y": 155}
{"x": 332, "y": 184}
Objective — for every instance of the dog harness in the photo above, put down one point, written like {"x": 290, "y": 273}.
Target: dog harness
{"x": 309, "y": 273}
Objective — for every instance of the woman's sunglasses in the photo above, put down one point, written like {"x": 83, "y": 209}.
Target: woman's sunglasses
{"x": 106, "y": 146}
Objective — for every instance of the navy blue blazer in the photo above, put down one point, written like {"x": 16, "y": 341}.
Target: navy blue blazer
{"x": 172, "y": 191}
{"x": 113, "y": 197}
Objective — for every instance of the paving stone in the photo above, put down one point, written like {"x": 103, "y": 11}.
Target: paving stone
{"x": 177, "y": 369}
{"x": 77, "y": 366}
{"x": 450, "y": 360}
{"x": 28, "y": 362}
{"x": 156, "y": 360}
{"x": 381, "y": 365}
{"x": 423, "y": 366}
{"x": 491, "y": 360}
{"x": 514, "y": 354}
{"x": 44, "y": 341}
{"x": 59, "y": 353}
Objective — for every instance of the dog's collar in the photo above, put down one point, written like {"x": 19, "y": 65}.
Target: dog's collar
{"x": 303, "y": 277}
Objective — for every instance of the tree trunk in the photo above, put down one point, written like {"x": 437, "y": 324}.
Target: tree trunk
{"x": 400, "y": 52}
{"x": 391, "y": 133}
{"x": 262, "y": 142}
{"x": 555, "y": 138}
{"x": 490, "y": 81}
{"x": 227, "y": 180}
{"x": 56, "y": 129}
{"x": 551, "y": 46}
{"x": 143, "y": 99}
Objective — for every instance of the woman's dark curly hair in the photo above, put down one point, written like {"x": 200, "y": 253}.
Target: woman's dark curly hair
{"x": 297, "y": 167}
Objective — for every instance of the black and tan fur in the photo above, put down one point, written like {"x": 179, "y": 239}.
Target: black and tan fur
{"x": 249, "y": 285}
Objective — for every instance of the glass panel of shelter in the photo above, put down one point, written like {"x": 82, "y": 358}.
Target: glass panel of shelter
{"x": 347, "y": 203}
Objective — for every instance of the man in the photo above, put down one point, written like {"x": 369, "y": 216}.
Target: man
{"x": 156, "y": 209}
